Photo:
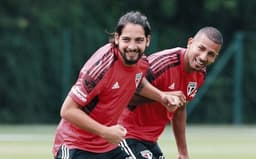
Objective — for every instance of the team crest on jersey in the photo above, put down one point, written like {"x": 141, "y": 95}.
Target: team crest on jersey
{"x": 191, "y": 89}
{"x": 146, "y": 154}
{"x": 138, "y": 78}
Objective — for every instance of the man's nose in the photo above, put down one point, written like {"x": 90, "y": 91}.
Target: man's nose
{"x": 132, "y": 46}
{"x": 203, "y": 56}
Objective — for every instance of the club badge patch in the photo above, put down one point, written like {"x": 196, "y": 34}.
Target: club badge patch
{"x": 138, "y": 78}
{"x": 146, "y": 154}
{"x": 191, "y": 89}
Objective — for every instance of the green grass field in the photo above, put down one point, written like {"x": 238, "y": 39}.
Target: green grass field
{"x": 204, "y": 142}
{"x": 214, "y": 142}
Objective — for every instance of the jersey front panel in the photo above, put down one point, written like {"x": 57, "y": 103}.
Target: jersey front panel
{"x": 147, "y": 121}
{"x": 108, "y": 88}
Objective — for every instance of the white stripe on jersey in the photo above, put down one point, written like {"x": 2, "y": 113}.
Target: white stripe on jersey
{"x": 161, "y": 63}
{"x": 164, "y": 52}
{"x": 101, "y": 66}
{"x": 105, "y": 65}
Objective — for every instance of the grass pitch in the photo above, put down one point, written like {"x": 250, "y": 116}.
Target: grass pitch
{"x": 26, "y": 142}
{"x": 204, "y": 142}
{"x": 214, "y": 142}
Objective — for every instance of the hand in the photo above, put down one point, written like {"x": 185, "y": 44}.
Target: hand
{"x": 173, "y": 100}
{"x": 181, "y": 97}
{"x": 114, "y": 134}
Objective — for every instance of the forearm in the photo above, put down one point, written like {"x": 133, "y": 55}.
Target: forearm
{"x": 179, "y": 129}
{"x": 138, "y": 99}
{"x": 147, "y": 90}
{"x": 71, "y": 112}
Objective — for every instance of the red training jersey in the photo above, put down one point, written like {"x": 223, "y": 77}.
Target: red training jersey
{"x": 104, "y": 87}
{"x": 147, "y": 121}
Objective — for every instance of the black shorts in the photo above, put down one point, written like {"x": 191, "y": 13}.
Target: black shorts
{"x": 65, "y": 153}
{"x": 142, "y": 149}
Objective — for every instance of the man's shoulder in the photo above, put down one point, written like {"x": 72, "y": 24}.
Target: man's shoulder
{"x": 176, "y": 50}
{"x": 101, "y": 61}
{"x": 105, "y": 49}
{"x": 167, "y": 57}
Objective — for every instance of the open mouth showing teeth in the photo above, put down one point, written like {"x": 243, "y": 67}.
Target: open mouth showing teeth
{"x": 198, "y": 63}
{"x": 132, "y": 52}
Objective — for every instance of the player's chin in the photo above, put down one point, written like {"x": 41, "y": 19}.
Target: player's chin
{"x": 198, "y": 67}
{"x": 132, "y": 56}
{"x": 134, "y": 59}
{"x": 131, "y": 61}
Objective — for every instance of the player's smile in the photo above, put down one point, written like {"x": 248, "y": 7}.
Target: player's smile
{"x": 201, "y": 52}
{"x": 199, "y": 63}
{"x": 132, "y": 43}
{"x": 132, "y": 53}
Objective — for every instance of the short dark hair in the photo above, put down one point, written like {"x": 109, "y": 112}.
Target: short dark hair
{"x": 134, "y": 17}
{"x": 212, "y": 33}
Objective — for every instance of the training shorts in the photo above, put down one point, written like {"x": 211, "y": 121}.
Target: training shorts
{"x": 141, "y": 149}
{"x": 65, "y": 153}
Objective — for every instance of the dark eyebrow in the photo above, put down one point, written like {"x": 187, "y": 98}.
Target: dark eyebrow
{"x": 212, "y": 52}
{"x": 126, "y": 37}
{"x": 140, "y": 38}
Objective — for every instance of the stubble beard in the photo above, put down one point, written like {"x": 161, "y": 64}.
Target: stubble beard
{"x": 131, "y": 62}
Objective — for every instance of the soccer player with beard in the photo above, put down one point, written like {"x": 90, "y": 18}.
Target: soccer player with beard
{"x": 178, "y": 70}
{"x": 107, "y": 81}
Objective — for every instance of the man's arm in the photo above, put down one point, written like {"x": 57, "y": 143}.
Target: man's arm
{"x": 138, "y": 99}
{"x": 170, "y": 101}
{"x": 73, "y": 113}
{"x": 179, "y": 130}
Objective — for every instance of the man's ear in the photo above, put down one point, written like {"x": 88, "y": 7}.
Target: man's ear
{"x": 116, "y": 36}
{"x": 189, "y": 42}
{"x": 148, "y": 40}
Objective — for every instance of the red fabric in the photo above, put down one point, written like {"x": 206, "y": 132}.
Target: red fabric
{"x": 103, "y": 75}
{"x": 147, "y": 121}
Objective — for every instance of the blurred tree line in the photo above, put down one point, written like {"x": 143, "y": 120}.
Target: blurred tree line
{"x": 45, "y": 43}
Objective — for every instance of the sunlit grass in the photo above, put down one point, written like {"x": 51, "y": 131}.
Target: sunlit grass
{"x": 26, "y": 142}
{"x": 214, "y": 142}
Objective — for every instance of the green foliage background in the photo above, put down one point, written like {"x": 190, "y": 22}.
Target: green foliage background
{"x": 34, "y": 36}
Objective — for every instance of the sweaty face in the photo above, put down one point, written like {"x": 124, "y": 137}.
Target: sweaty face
{"x": 132, "y": 43}
{"x": 201, "y": 52}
